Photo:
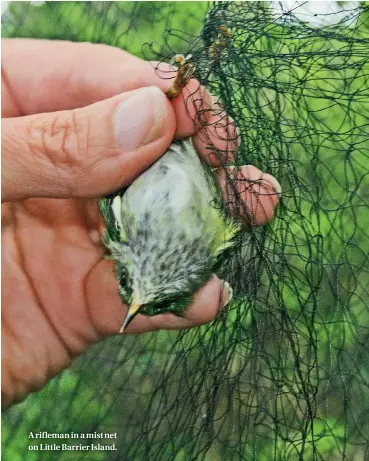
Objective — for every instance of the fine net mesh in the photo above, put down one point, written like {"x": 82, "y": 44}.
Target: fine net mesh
{"x": 282, "y": 373}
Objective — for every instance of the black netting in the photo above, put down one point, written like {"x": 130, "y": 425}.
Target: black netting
{"x": 282, "y": 374}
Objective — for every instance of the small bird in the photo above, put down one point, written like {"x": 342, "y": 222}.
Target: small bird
{"x": 166, "y": 233}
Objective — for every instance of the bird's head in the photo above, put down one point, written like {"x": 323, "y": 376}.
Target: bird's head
{"x": 159, "y": 275}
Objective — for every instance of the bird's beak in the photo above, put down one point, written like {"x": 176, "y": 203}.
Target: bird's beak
{"x": 132, "y": 311}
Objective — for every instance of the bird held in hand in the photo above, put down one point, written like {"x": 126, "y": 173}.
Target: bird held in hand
{"x": 166, "y": 232}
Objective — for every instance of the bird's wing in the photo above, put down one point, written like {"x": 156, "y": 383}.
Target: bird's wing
{"x": 112, "y": 227}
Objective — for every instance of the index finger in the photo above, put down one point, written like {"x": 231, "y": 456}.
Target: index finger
{"x": 46, "y": 76}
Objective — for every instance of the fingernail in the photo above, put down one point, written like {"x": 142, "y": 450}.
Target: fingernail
{"x": 139, "y": 119}
{"x": 273, "y": 182}
{"x": 208, "y": 99}
{"x": 238, "y": 133}
{"x": 227, "y": 293}
{"x": 234, "y": 172}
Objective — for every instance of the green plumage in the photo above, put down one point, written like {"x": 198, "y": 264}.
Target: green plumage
{"x": 167, "y": 231}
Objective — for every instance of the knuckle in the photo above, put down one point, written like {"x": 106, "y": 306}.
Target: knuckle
{"x": 60, "y": 140}
{"x": 60, "y": 143}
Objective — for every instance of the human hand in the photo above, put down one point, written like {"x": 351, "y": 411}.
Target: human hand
{"x": 81, "y": 121}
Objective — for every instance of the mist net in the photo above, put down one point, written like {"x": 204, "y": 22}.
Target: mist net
{"x": 283, "y": 372}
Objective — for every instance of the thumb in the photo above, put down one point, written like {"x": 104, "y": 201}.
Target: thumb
{"x": 86, "y": 152}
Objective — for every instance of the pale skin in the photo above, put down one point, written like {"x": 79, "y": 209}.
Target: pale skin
{"x": 60, "y": 153}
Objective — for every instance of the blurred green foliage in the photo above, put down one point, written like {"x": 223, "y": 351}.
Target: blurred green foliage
{"x": 127, "y": 25}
